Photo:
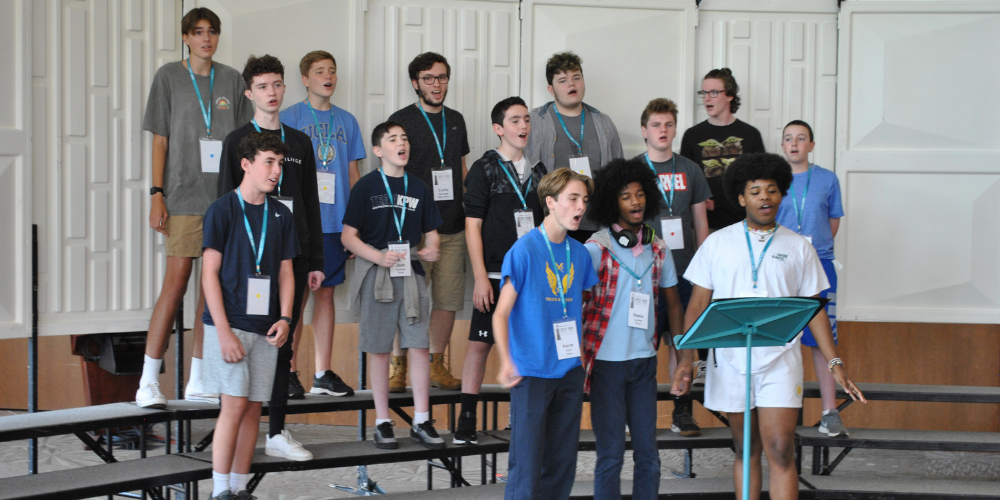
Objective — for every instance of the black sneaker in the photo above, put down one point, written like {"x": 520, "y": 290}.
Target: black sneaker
{"x": 384, "y": 438}
{"x": 330, "y": 384}
{"x": 466, "y": 431}
{"x": 426, "y": 435}
{"x": 295, "y": 389}
{"x": 244, "y": 495}
{"x": 685, "y": 425}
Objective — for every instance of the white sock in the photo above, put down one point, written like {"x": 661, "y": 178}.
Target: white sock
{"x": 826, "y": 412}
{"x": 194, "y": 381}
{"x": 380, "y": 421}
{"x": 221, "y": 483}
{"x": 421, "y": 417}
{"x": 150, "y": 370}
{"x": 320, "y": 374}
{"x": 238, "y": 482}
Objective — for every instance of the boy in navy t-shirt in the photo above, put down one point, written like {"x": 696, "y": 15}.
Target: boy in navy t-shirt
{"x": 387, "y": 215}
{"x": 536, "y": 328}
{"x": 249, "y": 244}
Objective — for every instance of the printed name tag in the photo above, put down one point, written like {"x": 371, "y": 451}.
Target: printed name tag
{"x": 287, "y": 201}
{"x": 567, "y": 340}
{"x": 326, "y": 184}
{"x": 524, "y": 220}
{"x": 258, "y": 295}
{"x": 443, "y": 185}
{"x": 211, "y": 153}
{"x": 753, "y": 294}
{"x": 673, "y": 232}
{"x": 638, "y": 310}
{"x": 402, "y": 266}
{"x": 580, "y": 165}
{"x": 808, "y": 238}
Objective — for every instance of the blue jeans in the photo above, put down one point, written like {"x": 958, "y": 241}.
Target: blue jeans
{"x": 624, "y": 392}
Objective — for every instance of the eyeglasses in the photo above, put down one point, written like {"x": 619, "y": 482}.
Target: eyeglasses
{"x": 429, "y": 80}
{"x": 713, "y": 93}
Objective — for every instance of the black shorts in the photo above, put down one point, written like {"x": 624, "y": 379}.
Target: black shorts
{"x": 481, "y": 326}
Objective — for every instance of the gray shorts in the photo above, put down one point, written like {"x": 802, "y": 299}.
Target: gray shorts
{"x": 378, "y": 320}
{"x": 251, "y": 377}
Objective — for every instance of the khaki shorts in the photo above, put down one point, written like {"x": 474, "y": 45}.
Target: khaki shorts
{"x": 447, "y": 275}
{"x": 185, "y": 235}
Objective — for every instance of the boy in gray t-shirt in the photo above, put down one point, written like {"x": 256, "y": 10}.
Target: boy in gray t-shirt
{"x": 193, "y": 104}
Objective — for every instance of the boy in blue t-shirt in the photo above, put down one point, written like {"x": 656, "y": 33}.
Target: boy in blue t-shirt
{"x": 813, "y": 209}
{"x": 336, "y": 140}
{"x": 249, "y": 244}
{"x": 536, "y": 328}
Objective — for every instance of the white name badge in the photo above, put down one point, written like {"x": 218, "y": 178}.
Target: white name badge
{"x": 672, "y": 232}
{"x": 326, "y": 184}
{"x": 402, "y": 266}
{"x": 638, "y": 310}
{"x": 258, "y": 295}
{"x": 567, "y": 340}
{"x": 287, "y": 201}
{"x": 580, "y": 165}
{"x": 753, "y": 294}
{"x": 211, "y": 153}
{"x": 524, "y": 220}
{"x": 443, "y": 185}
{"x": 808, "y": 238}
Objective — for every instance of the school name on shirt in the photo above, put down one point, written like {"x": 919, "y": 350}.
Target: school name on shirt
{"x": 680, "y": 181}
{"x": 382, "y": 201}
{"x": 324, "y": 131}
{"x": 293, "y": 160}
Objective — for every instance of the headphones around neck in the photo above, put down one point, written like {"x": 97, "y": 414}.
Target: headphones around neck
{"x": 628, "y": 239}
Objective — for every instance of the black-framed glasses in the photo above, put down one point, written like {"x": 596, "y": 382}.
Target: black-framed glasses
{"x": 712, "y": 93}
{"x": 429, "y": 79}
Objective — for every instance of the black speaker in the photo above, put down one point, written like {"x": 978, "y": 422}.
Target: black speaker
{"x": 122, "y": 353}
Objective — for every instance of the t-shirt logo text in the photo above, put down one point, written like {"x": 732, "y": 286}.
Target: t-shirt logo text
{"x": 680, "y": 181}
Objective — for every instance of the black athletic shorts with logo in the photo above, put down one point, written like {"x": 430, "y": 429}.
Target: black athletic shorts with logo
{"x": 481, "y": 326}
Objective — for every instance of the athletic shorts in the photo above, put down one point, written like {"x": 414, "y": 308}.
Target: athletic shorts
{"x": 481, "y": 326}
{"x": 186, "y": 235}
{"x": 378, "y": 321}
{"x": 447, "y": 275}
{"x": 251, "y": 377}
{"x": 831, "y": 307}
{"x": 778, "y": 386}
{"x": 334, "y": 258}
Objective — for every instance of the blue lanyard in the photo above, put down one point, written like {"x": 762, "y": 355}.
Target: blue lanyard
{"x": 392, "y": 203}
{"x": 583, "y": 119}
{"x": 669, "y": 187}
{"x": 207, "y": 115}
{"x": 746, "y": 231}
{"x": 323, "y": 145}
{"x": 263, "y": 230}
{"x": 282, "y": 177}
{"x": 517, "y": 188}
{"x": 791, "y": 191}
{"x": 441, "y": 144}
{"x": 621, "y": 264}
{"x": 559, "y": 284}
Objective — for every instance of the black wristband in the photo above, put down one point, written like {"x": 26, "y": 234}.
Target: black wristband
{"x": 286, "y": 319}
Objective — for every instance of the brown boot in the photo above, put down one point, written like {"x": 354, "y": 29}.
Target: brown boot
{"x": 441, "y": 376}
{"x": 397, "y": 374}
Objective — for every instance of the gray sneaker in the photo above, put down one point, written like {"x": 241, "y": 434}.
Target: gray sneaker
{"x": 384, "y": 437}
{"x": 244, "y": 495}
{"x": 831, "y": 425}
{"x": 225, "y": 495}
{"x": 426, "y": 435}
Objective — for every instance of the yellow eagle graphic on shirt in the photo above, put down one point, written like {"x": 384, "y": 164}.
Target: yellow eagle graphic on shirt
{"x": 567, "y": 280}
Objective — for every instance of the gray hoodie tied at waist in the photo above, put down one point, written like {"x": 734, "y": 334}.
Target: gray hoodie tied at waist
{"x": 383, "y": 286}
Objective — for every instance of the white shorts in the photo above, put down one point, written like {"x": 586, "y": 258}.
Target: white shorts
{"x": 779, "y": 385}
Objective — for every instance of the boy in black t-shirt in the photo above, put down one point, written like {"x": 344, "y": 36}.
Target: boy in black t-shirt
{"x": 389, "y": 211}
{"x": 264, "y": 77}
{"x": 249, "y": 244}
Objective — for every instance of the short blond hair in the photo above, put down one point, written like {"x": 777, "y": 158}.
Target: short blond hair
{"x": 314, "y": 57}
{"x": 555, "y": 182}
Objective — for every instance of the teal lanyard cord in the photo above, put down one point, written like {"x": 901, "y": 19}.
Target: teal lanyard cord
{"x": 392, "y": 203}
{"x": 670, "y": 187}
{"x": 517, "y": 188}
{"x": 559, "y": 284}
{"x": 621, "y": 264}
{"x": 583, "y": 119}
{"x": 756, "y": 267}
{"x": 206, "y": 114}
{"x": 328, "y": 143}
{"x": 282, "y": 177}
{"x": 259, "y": 252}
{"x": 791, "y": 191}
{"x": 441, "y": 144}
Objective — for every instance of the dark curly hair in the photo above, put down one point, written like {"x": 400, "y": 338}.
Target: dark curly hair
{"x": 729, "y": 84}
{"x": 561, "y": 63}
{"x": 614, "y": 177}
{"x": 751, "y": 167}
{"x": 262, "y": 65}
{"x": 255, "y": 142}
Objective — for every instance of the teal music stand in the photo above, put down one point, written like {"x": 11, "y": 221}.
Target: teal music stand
{"x": 750, "y": 322}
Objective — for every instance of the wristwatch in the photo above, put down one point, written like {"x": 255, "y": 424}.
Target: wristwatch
{"x": 286, "y": 319}
{"x": 153, "y": 190}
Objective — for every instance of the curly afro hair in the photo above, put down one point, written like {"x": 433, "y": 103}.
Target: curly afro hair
{"x": 751, "y": 167}
{"x": 614, "y": 177}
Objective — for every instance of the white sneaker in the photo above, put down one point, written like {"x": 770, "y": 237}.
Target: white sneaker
{"x": 194, "y": 392}
{"x": 285, "y": 446}
{"x": 699, "y": 373}
{"x": 149, "y": 396}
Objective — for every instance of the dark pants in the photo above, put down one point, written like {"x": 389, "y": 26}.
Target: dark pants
{"x": 279, "y": 392}
{"x": 545, "y": 430}
{"x": 624, "y": 392}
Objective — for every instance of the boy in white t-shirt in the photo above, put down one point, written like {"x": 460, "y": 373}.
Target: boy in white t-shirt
{"x": 757, "y": 257}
